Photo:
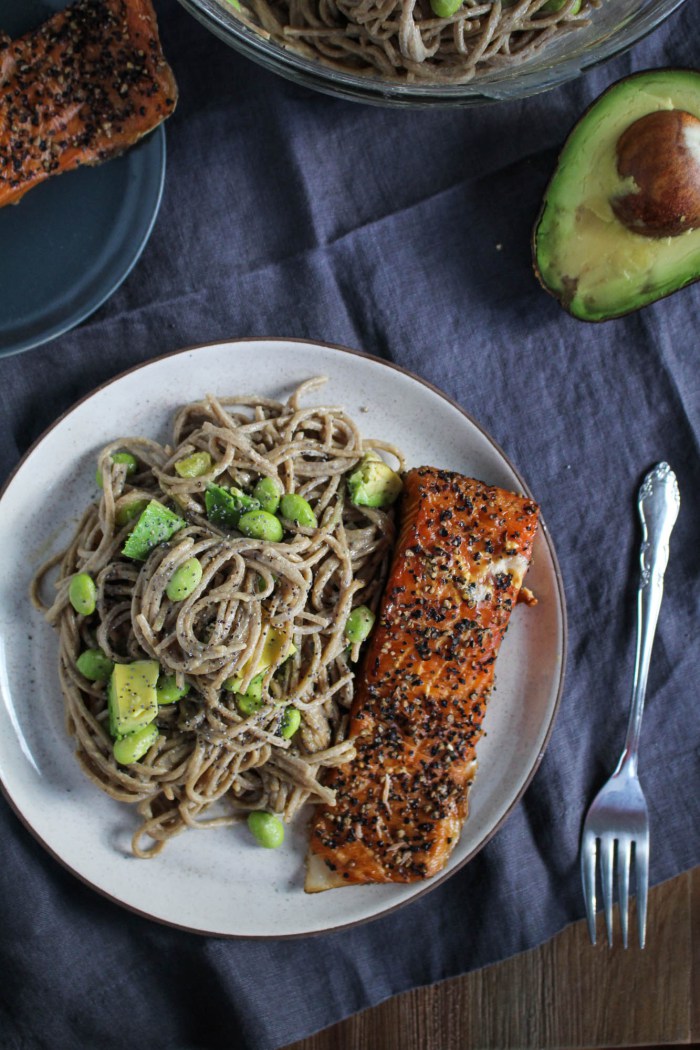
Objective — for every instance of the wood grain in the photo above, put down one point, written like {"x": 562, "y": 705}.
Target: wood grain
{"x": 566, "y": 993}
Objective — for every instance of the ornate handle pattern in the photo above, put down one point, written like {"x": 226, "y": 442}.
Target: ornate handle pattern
{"x": 658, "y": 504}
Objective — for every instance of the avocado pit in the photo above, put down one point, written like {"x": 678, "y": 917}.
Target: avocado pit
{"x": 661, "y": 153}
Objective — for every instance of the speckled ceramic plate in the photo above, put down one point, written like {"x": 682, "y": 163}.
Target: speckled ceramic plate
{"x": 218, "y": 881}
{"x": 69, "y": 243}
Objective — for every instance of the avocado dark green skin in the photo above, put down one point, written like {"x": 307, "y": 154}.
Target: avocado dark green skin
{"x": 563, "y": 295}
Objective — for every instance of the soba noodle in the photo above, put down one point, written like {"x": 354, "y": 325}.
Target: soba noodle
{"x": 303, "y": 588}
{"x": 404, "y": 40}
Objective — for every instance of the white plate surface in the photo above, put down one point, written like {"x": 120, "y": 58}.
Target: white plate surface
{"x": 217, "y": 881}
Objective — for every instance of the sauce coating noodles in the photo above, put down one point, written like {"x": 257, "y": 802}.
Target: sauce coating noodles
{"x": 302, "y": 589}
{"x": 404, "y": 40}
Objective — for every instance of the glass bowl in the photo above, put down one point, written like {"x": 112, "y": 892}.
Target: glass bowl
{"x": 614, "y": 27}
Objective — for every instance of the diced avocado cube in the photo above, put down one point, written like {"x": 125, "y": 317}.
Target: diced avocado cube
{"x": 155, "y": 525}
{"x": 193, "y": 466}
{"x": 373, "y": 483}
{"x": 271, "y": 653}
{"x": 225, "y": 506}
{"x": 131, "y": 696}
{"x": 272, "y": 649}
{"x": 130, "y": 510}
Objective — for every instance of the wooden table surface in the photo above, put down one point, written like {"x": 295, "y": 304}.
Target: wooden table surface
{"x": 565, "y": 993}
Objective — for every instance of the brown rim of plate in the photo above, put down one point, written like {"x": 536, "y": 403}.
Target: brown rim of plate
{"x": 448, "y": 872}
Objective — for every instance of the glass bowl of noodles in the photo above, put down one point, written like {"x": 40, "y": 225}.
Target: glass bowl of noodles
{"x": 430, "y": 52}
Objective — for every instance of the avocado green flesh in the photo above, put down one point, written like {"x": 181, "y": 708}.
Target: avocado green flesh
{"x": 226, "y": 506}
{"x": 271, "y": 653}
{"x": 373, "y": 483}
{"x": 155, "y": 525}
{"x": 593, "y": 264}
{"x": 131, "y": 696}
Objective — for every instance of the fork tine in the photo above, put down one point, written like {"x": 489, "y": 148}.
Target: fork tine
{"x": 607, "y": 863}
{"x": 588, "y": 863}
{"x": 641, "y": 878}
{"x": 623, "y": 883}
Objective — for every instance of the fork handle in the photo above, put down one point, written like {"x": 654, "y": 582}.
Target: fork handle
{"x": 658, "y": 504}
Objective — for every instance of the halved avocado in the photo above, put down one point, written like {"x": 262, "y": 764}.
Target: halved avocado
{"x": 597, "y": 266}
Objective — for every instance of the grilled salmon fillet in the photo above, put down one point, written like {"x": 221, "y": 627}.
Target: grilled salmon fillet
{"x": 463, "y": 550}
{"x": 81, "y": 88}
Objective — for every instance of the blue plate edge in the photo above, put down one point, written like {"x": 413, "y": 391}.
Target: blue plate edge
{"x": 93, "y": 304}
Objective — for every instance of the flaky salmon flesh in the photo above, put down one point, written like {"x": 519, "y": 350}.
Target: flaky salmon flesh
{"x": 83, "y": 87}
{"x": 462, "y": 553}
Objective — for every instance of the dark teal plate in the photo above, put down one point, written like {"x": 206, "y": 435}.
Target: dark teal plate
{"x": 70, "y": 242}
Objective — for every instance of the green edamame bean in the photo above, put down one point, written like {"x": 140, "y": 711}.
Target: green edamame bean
{"x": 168, "y": 691}
{"x": 126, "y": 457}
{"x": 268, "y": 492}
{"x": 445, "y": 8}
{"x": 82, "y": 594}
{"x": 261, "y": 525}
{"x": 120, "y": 457}
{"x": 133, "y": 746}
{"x": 193, "y": 466}
{"x": 291, "y": 720}
{"x": 251, "y": 701}
{"x": 295, "y": 508}
{"x": 262, "y": 584}
{"x": 359, "y": 624}
{"x": 267, "y": 830}
{"x": 131, "y": 510}
{"x": 184, "y": 580}
{"x": 93, "y": 664}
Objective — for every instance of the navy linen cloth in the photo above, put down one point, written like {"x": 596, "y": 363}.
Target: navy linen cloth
{"x": 405, "y": 234}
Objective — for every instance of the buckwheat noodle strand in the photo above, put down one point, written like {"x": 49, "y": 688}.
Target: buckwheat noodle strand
{"x": 404, "y": 40}
{"x": 304, "y": 587}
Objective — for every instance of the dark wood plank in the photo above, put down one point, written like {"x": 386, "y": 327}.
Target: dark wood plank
{"x": 695, "y": 956}
{"x": 566, "y": 993}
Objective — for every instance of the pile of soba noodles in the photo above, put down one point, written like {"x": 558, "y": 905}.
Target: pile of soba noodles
{"x": 405, "y": 40}
{"x": 303, "y": 587}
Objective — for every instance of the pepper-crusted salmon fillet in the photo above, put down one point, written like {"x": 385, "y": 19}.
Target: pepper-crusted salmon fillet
{"x": 81, "y": 88}
{"x": 463, "y": 550}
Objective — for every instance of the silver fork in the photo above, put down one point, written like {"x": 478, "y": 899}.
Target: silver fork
{"x": 618, "y": 816}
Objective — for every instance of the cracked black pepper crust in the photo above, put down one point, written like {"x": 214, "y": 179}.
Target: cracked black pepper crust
{"x": 80, "y": 89}
{"x": 462, "y": 552}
